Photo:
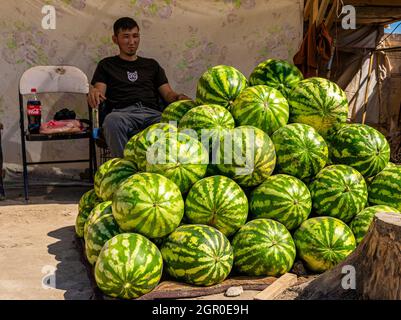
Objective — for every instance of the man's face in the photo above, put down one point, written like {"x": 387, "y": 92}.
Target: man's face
{"x": 127, "y": 41}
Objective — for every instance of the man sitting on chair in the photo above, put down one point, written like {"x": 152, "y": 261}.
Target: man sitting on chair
{"x": 132, "y": 86}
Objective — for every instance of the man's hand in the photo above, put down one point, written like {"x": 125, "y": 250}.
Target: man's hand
{"x": 96, "y": 95}
{"x": 169, "y": 95}
{"x": 182, "y": 96}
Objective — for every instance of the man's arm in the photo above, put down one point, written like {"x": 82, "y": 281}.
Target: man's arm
{"x": 97, "y": 94}
{"x": 169, "y": 95}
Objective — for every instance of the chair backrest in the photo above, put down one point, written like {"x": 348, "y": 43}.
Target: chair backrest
{"x": 51, "y": 79}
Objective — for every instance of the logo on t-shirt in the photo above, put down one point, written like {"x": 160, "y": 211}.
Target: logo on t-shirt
{"x": 132, "y": 76}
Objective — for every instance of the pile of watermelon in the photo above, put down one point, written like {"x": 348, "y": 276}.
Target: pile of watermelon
{"x": 248, "y": 178}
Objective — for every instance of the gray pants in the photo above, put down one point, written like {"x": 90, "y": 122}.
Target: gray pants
{"x": 121, "y": 124}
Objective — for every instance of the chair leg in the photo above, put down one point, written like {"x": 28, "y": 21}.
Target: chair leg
{"x": 94, "y": 156}
{"x": 25, "y": 167}
{"x": 2, "y": 193}
{"x": 91, "y": 159}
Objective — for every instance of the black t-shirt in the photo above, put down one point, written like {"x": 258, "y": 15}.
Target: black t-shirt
{"x": 129, "y": 82}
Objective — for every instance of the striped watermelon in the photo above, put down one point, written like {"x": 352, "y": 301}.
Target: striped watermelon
{"x": 110, "y": 174}
{"x": 278, "y": 74}
{"x": 391, "y": 164}
{"x": 100, "y": 227}
{"x": 129, "y": 149}
{"x": 136, "y": 150}
{"x": 100, "y": 209}
{"x": 282, "y": 198}
{"x": 176, "y": 110}
{"x": 262, "y": 107}
{"x": 263, "y": 247}
{"x": 361, "y": 147}
{"x": 339, "y": 191}
{"x": 149, "y": 204}
{"x": 197, "y": 254}
{"x": 300, "y": 150}
{"x": 386, "y": 188}
{"x": 251, "y": 158}
{"x": 218, "y": 202}
{"x": 323, "y": 242}
{"x": 213, "y": 117}
{"x": 362, "y": 221}
{"x": 220, "y": 85}
{"x": 319, "y": 103}
{"x": 128, "y": 266}
{"x": 87, "y": 202}
{"x": 180, "y": 158}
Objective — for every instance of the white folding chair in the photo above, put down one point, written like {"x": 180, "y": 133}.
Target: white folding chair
{"x": 54, "y": 79}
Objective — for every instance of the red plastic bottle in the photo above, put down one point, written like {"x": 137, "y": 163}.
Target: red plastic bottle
{"x": 34, "y": 110}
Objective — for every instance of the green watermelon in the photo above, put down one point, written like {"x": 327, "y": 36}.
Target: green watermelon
{"x": 278, "y": 74}
{"x": 99, "y": 210}
{"x": 262, "y": 107}
{"x": 110, "y": 174}
{"x": 386, "y": 188}
{"x": 250, "y": 158}
{"x": 323, "y": 242}
{"x": 100, "y": 227}
{"x": 87, "y": 202}
{"x": 391, "y": 164}
{"x": 128, "y": 266}
{"x": 208, "y": 121}
{"x": 136, "y": 150}
{"x": 197, "y": 254}
{"x": 149, "y": 204}
{"x": 319, "y": 103}
{"x": 220, "y": 85}
{"x": 338, "y": 191}
{"x": 176, "y": 110}
{"x": 218, "y": 202}
{"x": 361, "y": 147}
{"x": 300, "y": 150}
{"x": 129, "y": 149}
{"x": 282, "y": 198}
{"x": 362, "y": 221}
{"x": 180, "y": 158}
{"x": 263, "y": 247}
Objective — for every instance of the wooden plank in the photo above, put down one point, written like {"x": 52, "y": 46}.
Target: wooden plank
{"x": 278, "y": 287}
{"x": 176, "y": 290}
{"x": 322, "y": 11}
{"x": 367, "y": 14}
{"x": 377, "y": 3}
{"x": 380, "y": 13}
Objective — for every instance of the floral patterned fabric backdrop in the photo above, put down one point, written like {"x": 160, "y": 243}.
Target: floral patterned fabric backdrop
{"x": 185, "y": 36}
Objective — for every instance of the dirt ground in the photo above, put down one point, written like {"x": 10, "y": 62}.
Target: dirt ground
{"x": 39, "y": 258}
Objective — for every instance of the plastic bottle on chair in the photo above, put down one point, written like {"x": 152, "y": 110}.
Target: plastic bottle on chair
{"x": 95, "y": 132}
{"x": 34, "y": 111}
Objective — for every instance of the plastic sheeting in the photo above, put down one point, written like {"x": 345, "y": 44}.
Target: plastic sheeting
{"x": 382, "y": 91}
{"x": 185, "y": 36}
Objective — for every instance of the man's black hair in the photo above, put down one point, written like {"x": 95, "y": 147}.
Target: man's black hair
{"x": 124, "y": 23}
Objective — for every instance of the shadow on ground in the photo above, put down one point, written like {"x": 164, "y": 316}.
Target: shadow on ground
{"x": 70, "y": 274}
{"x": 45, "y": 194}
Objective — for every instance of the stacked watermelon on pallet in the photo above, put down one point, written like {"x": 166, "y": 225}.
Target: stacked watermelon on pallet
{"x": 248, "y": 178}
